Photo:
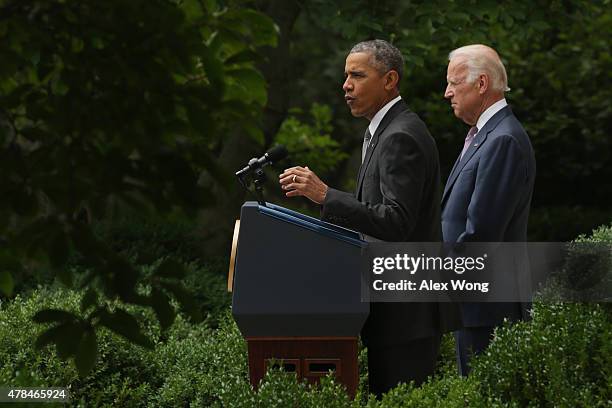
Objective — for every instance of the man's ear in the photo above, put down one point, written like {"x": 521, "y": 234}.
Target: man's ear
{"x": 391, "y": 80}
{"x": 483, "y": 83}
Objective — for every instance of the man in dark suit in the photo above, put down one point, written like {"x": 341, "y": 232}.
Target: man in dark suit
{"x": 396, "y": 199}
{"x": 488, "y": 192}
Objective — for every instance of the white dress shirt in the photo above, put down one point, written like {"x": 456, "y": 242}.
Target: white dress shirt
{"x": 491, "y": 110}
{"x": 381, "y": 114}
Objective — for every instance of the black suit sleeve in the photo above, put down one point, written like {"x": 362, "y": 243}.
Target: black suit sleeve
{"x": 399, "y": 179}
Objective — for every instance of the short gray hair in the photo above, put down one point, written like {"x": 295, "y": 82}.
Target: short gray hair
{"x": 384, "y": 56}
{"x": 483, "y": 59}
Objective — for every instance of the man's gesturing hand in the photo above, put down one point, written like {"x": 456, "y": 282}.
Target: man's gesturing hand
{"x": 301, "y": 181}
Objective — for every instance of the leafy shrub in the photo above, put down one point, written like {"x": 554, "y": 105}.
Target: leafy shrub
{"x": 189, "y": 365}
{"x": 600, "y": 234}
{"x": 449, "y": 391}
{"x": 148, "y": 241}
{"x": 206, "y": 284}
{"x": 117, "y": 377}
{"x": 563, "y": 357}
{"x": 446, "y": 360}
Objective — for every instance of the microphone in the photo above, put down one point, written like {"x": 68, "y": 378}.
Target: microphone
{"x": 273, "y": 155}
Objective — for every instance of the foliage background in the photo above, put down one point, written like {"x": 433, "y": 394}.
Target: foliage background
{"x": 559, "y": 66}
{"x": 122, "y": 123}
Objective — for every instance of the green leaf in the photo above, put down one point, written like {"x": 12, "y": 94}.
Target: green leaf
{"x": 124, "y": 324}
{"x": 48, "y": 336}
{"x": 193, "y": 9}
{"x": 211, "y": 5}
{"x": 246, "y": 85}
{"x": 87, "y": 353}
{"x": 123, "y": 279}
{"x": 6, "y": 283}
{"x": 262, "y": 28}
{"x": 90, "y": 299}
{"x": 54, "y": 315}
{"x": 97, "y": 43}
{"x": 213, "y": 67}
{"x": 77, "y": 45}
{"x": 241, "y": 57}
{"x": 163, "y": 309}
{"x": 59, "y": 87}
{"x": 372, "y": 25}
{"x": 184, "y": 297}
{"x": 170, "y": 268}
{"x": 68, "y": 339}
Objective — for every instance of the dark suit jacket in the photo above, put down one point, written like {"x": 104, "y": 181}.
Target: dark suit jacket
{"x": 398, "y": 192}
{"x": 487, "y": 199}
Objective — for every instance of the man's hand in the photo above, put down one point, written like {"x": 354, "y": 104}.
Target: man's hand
{"x": 301, "y": 181}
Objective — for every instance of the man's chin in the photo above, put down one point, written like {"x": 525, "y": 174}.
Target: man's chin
{"x": 356, "y": 113}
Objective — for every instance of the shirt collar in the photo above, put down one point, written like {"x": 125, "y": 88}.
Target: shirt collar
{"x": 490, "y": 111}
{"x": 381, "y": 114}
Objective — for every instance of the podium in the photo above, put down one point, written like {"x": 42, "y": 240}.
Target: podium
{"x": 296, "y": 286}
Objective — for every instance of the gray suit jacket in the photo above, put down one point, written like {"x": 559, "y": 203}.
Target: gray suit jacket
{"x": 487, "y": 199}
{"x": 398, "y": 192}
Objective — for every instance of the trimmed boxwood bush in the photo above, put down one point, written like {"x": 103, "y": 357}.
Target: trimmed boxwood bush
{"x": 562, "y": 358}
{"x": 191, "y": 366}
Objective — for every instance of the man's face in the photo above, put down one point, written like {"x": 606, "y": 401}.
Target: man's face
{"x": 364, "y": 87}
{"x": 464, "y": 97}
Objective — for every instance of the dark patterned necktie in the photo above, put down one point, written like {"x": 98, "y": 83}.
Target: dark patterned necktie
{"x": 468, "y": 139}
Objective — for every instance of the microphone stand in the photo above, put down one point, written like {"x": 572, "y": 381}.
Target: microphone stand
{"x": 259, "y": 179}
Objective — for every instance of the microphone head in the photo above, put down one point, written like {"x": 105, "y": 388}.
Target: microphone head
{"x": 277, "y": 153}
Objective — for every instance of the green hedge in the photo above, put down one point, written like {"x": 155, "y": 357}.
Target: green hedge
{"x": 190, "y": 365}
{"x": 562, "y": 358}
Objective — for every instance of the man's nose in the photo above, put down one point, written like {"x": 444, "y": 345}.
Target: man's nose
{"x": 447, "y": 92}
{"x": 347, "y": 86}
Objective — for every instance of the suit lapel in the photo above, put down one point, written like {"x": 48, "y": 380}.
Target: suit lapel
{"x": 452, "y": 172}
{"x": 479, "y": 140}
{"x": 395, "y": 110}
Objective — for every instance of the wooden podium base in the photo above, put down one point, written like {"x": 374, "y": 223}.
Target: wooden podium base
{"x": 309, "y": 358}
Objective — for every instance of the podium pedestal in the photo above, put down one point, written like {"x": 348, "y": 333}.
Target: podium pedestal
{"x": 296, "y": 286}
{"x": 310, "y": 358}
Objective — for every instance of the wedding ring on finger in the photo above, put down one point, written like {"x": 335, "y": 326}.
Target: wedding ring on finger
{"x": 294, "y": 176}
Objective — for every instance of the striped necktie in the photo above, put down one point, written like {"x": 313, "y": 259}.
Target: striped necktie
{"x": 366, "y": 142}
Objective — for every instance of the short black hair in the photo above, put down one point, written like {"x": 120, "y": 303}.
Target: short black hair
{"x": 385, "y": 56}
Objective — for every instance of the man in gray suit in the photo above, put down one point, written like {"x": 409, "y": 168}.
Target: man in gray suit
{"x": 396, "y": 199}
{"x": 488, "y": 192}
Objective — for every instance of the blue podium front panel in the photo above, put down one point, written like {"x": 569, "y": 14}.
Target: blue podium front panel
{"x": 296, "y": 275}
